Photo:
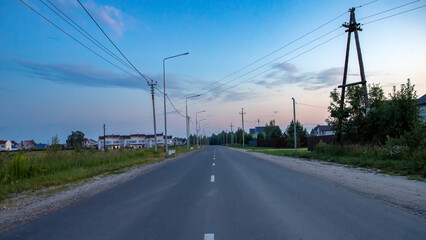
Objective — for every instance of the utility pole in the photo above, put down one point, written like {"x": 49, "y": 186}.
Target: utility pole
{"x": 258, "y": 122}
{"x": 104, "y": 138}
{"x": 354, "y": 27}
{"x": 152, "y": 84}
{"x": 232, "y": 135}
{"x": 294, "y": 125}
{"x": 242, "y": 120}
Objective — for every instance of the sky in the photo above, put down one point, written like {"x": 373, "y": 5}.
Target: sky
{"x": 255, "y": 55}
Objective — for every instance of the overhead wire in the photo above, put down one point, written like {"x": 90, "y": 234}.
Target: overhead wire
{"x": 394, "y": 8}
{"x": 76, "y": 40}
{"x": 393, "y": 15}
{"x": 106, "y": 35}
{"x": 84, "y": 32}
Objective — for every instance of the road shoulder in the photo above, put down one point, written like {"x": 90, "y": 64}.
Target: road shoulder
{"x": 396, "y": 191}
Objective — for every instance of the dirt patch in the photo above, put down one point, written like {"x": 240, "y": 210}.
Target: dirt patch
{"x": 29, "y": 205}
{"x": 396, "y": 191}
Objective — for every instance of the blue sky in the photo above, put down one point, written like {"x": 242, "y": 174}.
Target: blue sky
{"x": 49, "y": 84}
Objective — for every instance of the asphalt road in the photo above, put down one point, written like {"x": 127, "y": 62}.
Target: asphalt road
{"x": 218, "y": 193}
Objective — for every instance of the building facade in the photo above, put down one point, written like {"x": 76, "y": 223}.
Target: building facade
{"x": 132, "y": 141}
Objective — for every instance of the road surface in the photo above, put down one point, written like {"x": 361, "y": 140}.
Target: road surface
{"x": 218, "y": 193}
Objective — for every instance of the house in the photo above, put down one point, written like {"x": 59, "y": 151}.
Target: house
{"x": 42, "y": 145}
{"x": 27, "y": 145}
{"x": 89, "y": 143}
{"x": 255, "y": 131}
{"x": 422, "y": 105}
{"x": 5, "y": 145}
{"x": 179, "y": 141}
{"x": 322, "y": 130}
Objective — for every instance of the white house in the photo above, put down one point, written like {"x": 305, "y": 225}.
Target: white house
{"x": 5, "y": 145}
{"x": 132, "y": 141}
{"x": 322, "y": 130}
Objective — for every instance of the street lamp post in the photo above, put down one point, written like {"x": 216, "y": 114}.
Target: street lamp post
{"x": 196, "y": 126}
{"x": 165, "y": 110}
{"x": 199, "y": 129}
{"x": 187, "y": 120}
{"x": 294, "y": 125}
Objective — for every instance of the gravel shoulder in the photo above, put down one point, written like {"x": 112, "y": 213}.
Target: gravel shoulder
{"x": 396, "y": 191}
{"x": 27, "y": 206}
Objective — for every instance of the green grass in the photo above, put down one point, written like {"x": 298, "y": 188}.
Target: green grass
{"x": 37, "y": 170}
{"x": 412, "y": 165}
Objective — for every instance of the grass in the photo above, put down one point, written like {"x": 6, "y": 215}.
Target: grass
{"x": 411, "y": 164}
{"x": 37, "y": 170}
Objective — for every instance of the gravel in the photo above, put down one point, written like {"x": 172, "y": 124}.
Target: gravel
{"x": 396, "y": 191}
{"x": 27, "y": 206}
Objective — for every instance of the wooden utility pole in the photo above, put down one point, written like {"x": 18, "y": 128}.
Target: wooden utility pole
{"x": 242, "y": 121}
{"x": 354, "y": 27}
{"x": 152, "y": 84}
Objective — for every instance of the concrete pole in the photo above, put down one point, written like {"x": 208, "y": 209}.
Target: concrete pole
{"x": 294, "y": 125}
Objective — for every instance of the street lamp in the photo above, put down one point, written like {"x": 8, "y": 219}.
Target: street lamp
{"x": 199, "y": 129}
{"x": 294, "y": 125}
{"x": 196, "y": 126}
{"x": 204, "y": 125}
{"x": 187, "y": 120}
{"x": 164, "y": 84}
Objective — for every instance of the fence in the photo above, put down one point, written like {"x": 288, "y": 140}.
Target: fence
{"x": 314, "y": 140}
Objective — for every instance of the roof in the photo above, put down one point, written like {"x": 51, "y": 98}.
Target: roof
{"x": 324, "y": 128}
{"x": 422, "y": 100}
{"x": 2, "y": 141}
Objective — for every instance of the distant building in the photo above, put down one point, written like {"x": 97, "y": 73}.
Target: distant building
{"x": 132, "y": 141}
{"x": 255, "y": 131}
{"x": 179, "y": 141}
{"x": 42, "y": 145}
{"x": 322, "y": 130}
{"x": 422, "y": 105}
{"x": 5, "y": 145}
{"x": 27, "y": 145}
{"x": 89, "y": 143}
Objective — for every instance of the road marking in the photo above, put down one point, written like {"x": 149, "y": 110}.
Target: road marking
{"x": 213, "y": 164}
{"x": 209, "y": 236}
{"x": 212, "y": 178}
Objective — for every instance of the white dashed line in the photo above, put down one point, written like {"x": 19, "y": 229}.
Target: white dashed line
{"x": 212, "y": 178}
{"x": 209, "y": 236}
{"x": 213, "y": 164}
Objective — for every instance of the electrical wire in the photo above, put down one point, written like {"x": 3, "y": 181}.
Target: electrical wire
{"x": 76, "y": 40}
{"x": 106, "y": 35}
{"x": 400, "y": 6}
{"x": 309, "y": 105}
{"x": 85, "y": 33}
{"x": 393, "y": 15}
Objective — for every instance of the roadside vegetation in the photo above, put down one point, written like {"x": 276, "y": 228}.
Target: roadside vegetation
{"x": 390, "y": 136}
{"x": 22, "y": 171}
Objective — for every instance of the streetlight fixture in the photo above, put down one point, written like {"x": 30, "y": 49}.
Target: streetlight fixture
{"x": 196, "y": 126}
{"x": 164, "y": 84}
{"x": 187, "y": 120}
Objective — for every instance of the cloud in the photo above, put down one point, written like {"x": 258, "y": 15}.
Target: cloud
{"x": 108, "y": 15}
{"x": 81, "y": 74}
{"x": 288, "y": 73}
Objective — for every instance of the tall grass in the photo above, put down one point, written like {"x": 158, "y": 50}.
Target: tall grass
{"x": 35, "y": 170}
{"x": 406, "y": 163}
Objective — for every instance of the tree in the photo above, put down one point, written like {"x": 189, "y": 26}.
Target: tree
{"x": 261, "y": 136}
{"x": 301, "y": 134}
{"x": 55, "y": 143}
{"x": 75, "y": 139}
{"x": 385, "y": 118}
{"x": 272, "y": 131}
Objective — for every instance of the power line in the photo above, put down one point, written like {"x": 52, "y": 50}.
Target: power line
{"x": 73, "y": 38}
{"x": 365, "y": 4}
{"x": 393, "y": 15}
{"x": 174, "y": 106}
{"x": 299, "y": 103}
{"x": 275, "y": 51}
{"x": 84, "y": 33}
{"x": 143, "y": 76}
{"x": 400, "y": 6}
